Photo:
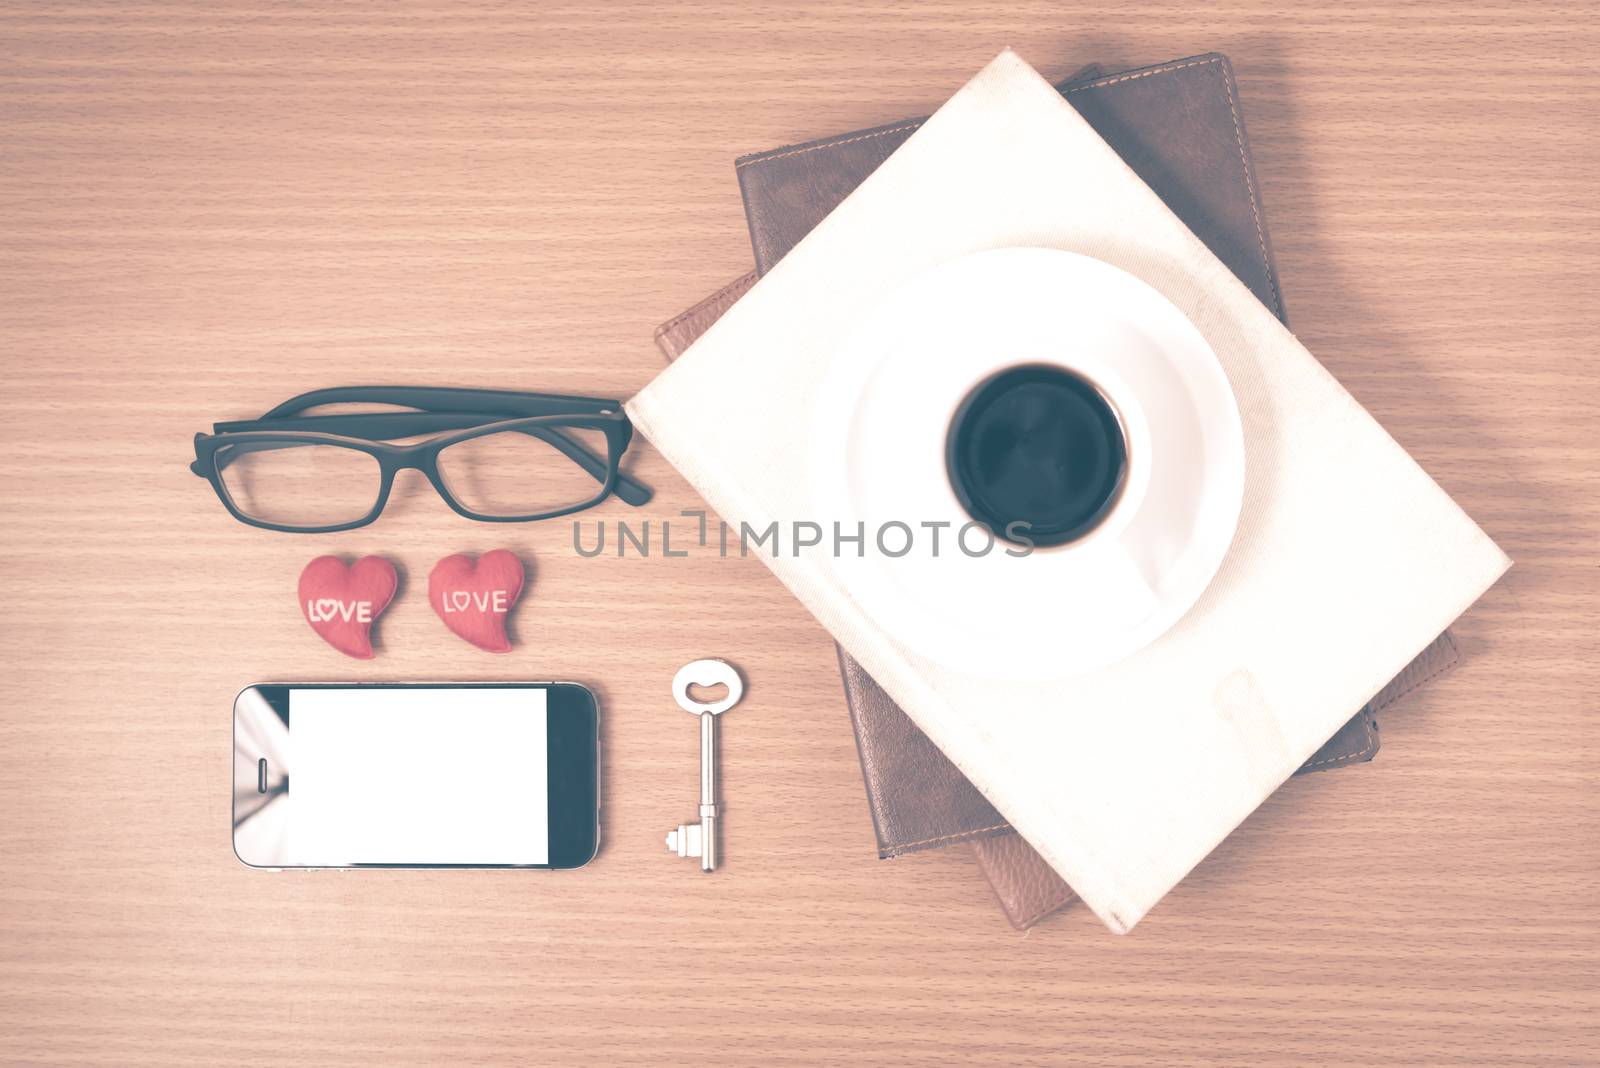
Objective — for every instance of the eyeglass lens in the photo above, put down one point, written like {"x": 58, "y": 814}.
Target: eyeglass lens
{"x": 526, "y": 472}
{"x": 300, "y": 484}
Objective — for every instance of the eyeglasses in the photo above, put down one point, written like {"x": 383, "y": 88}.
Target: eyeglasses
{"x": 495, "y": 455}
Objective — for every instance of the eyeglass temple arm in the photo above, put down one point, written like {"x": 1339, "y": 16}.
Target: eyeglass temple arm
{"x": 631, "y": 491}
{"x": 484, "y": 401}
{"x": 406, "y": 424}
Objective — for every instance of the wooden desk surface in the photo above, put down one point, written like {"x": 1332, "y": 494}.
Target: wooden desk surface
{"x": 209, "y": 208}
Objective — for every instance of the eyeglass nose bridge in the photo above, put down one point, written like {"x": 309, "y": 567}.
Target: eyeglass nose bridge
{"x": 426, "y": 464}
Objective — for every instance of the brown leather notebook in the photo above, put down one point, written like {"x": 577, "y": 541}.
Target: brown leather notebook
{"x": 1177, "y": 126}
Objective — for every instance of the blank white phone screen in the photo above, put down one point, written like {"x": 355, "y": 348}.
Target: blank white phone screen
{"x": 418, "y": 776}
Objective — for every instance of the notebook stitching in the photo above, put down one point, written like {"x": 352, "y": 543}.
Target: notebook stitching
{"x": 743, "y": 279}
{"x": 704, "y": 303}
{"x": 1455, "y": 654}
{"x": 946, "y": 837}
{"x": 1255, "y": 209}
{"x": 1351, "y": 755}
{"x": 740, "y": 165}
{"x": 1099, "y": 83}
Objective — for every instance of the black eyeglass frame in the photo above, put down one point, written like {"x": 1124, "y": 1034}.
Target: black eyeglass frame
{"x": 470, "y": 413}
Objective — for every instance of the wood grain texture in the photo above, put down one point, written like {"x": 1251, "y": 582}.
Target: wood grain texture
{"x": 208, "y": 208}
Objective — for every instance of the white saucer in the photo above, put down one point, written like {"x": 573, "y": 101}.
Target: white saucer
{"x": 878, "y": 457}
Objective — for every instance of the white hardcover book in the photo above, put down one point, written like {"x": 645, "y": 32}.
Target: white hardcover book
{"x": 1346, "y": 562}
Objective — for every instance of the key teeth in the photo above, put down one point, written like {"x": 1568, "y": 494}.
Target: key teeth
{"x": 687, "y": 840}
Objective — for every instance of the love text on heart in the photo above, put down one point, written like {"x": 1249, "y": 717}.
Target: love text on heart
{"x": 328, "y": 609}
{"x": 457, "y": 601}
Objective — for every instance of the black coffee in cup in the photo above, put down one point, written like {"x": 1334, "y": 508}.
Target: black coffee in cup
{"x": 1038, "y": 445}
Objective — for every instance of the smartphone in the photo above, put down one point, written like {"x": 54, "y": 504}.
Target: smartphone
{"x": 471, "y": 775}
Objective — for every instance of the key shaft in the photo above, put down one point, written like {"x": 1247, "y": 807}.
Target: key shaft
{"x": 708, "y": 790}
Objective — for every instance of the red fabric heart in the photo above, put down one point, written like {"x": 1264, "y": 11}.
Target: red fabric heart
{"x": 341, "y": 602}
{"x": 474, "y": 598}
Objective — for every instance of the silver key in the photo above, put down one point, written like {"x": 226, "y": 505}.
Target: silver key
{"x": 700, "y": 839}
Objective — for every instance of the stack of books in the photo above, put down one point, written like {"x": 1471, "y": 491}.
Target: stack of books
{"x": 1176, "y": 130}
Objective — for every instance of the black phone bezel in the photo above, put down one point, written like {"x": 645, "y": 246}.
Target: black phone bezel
{"x": 572, "y": 765}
